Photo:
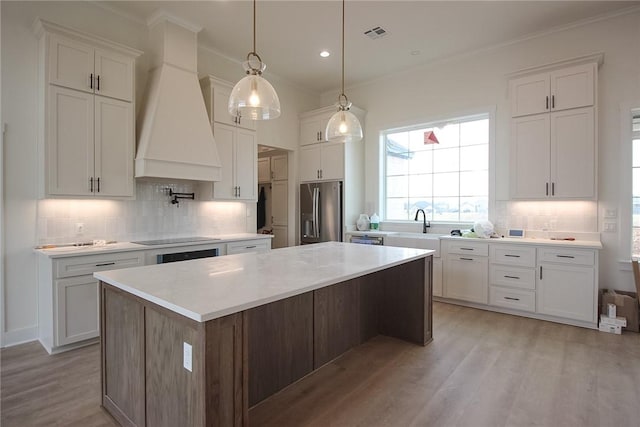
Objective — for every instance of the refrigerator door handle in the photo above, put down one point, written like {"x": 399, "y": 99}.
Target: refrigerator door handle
{"x": 313, "y": 213}
{"x": 316, "y": 202}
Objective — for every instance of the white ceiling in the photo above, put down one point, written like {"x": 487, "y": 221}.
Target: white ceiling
{"x": 291, "y": 34}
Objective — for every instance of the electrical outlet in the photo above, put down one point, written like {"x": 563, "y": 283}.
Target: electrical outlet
{"x": 610, "y": 226}
{"x": 610, "y": 213}
{"x": 187, "y": 357}
{"x": 79, "y": 228}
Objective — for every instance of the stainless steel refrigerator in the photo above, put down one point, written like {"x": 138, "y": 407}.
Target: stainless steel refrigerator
{"x": 321, "y": 212}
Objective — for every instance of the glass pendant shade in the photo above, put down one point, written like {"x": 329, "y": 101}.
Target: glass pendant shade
{"x": 253, "y": 97}
{"x": 344, "y": 126}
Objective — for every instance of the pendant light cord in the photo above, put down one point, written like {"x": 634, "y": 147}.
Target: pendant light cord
{"x": 254, "y": 26}
{"x": 343, "y": 47}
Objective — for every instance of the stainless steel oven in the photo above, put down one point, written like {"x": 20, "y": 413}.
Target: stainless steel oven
{"x": 184, "y": 256}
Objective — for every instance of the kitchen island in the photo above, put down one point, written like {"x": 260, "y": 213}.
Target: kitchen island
{"x": 199, "y": 342}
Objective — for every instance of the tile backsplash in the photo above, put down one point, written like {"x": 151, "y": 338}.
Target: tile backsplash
{"x": 150, "y": 216}
{"x": 577, "y": 216}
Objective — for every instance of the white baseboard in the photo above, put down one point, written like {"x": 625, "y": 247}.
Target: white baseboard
{"x": 19, "y": 336}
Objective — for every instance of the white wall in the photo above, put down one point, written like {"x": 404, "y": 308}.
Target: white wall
{"x": 29, "y": 222}
{"x": 474, "y": 82}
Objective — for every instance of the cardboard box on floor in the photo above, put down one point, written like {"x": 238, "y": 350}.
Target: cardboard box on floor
{"x": 626, "y": 306}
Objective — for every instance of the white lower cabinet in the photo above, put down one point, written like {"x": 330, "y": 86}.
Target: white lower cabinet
{"x": 437, "y": 277}
{"x": 68, "y": 296}
{"x": 551, "y": 282}
{"x": 567, "y": 291}
{"x": 77, "y": 309}
{"x": 246, "y": 246}
{"x": 467, "y": 278}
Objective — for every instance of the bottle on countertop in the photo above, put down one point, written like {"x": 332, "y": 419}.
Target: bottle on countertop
{"x": 363, "y": 222}
{"x": 375, "y": 221}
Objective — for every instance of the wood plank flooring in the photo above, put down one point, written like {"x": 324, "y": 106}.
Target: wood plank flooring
{"x": 482, "y": 369}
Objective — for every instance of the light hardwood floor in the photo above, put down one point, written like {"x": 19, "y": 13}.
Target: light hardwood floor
{"x": 482, "y": 369}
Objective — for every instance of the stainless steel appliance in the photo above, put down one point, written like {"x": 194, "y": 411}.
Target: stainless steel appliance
{"x": 321, "y": 212}
{"x": 367, "y": 240}
{"x": 183, "y": 253}
{"x": 184, "y": 256}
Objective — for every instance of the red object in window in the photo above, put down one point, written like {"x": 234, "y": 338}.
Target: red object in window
{"x": 430, "y": 138}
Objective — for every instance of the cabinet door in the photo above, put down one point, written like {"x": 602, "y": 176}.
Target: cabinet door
{"x": 573, "y": 156}
{"x": 466, "y": 278}
{"x": 530, "y": 157}
{"x": 264, "y": 169}
{"x": 573, "y": 87}
{"x": 529, "y": 95}
{"x": 76, "y": 309}
{"x": 279, "y": 205}
{"x": 70, "y": 63}
{"x": 246, "y": 164}
{"x": 310, "y": 130}
{"x": 310, "y": 163}
{"x": 114, "y": 75}
{"x": 69, "y": 148}
{"x": 437, "y": 277}
{"x": 220, "y": 101}
{"x": 114, "y": 145}
{"x": 279, "y": 167}
{"x": 224, "y": 135}
{"x": 566, "y": 291}
{"x": 280, "y": 237}
{"x": 332, "y": 161}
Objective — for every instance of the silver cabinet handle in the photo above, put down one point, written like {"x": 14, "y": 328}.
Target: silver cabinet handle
{"x": 540, "y": 272}
{"x": 512, "y": 299}
{"x": 105, "y": 264}
{"x": 565, "y": 256}
{"x": 547, "y": 103}
{"x": 546, "y": 191}
{"x": 553, "y": 101}
{"x": 467, "y": 259}
{"x": 98, "y": 185}
{"x": 91, "y": 81}
{"x": 512, "y": 256}
{"x": 98, "y": 83}
{"x": 250, "y": 247}
{"x": 553, "y": 188}
{"x": 467, "y": 249}
{"x": 91, "y": 184}
{"x": 512, "y": 277}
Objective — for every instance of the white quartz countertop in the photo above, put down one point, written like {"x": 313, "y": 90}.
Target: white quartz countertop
{"x": 68, "y": 251}
{"x": 209, "y": 288}
{"x": 584, "y": 244}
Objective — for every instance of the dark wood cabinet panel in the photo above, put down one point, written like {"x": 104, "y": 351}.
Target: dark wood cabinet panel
{"x": 336, "y": 320}
{"x": 226, "y": 378}
{"x": 122, "y": 341}
{"x": 281, "y": 344}
{"x": 405, "y": 308}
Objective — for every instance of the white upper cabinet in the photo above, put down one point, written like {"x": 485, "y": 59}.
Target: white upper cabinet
{"x": 81, "y": 66}
{"x": 88, "y": 123}
{"x": 323, "y": 162}
{"x": 237, "y": 144}
{"x": 571, "y": 87}
{"x": 312, "y": 128}
{"x": 216, "y": 94}
{"x": 553, "y": 135}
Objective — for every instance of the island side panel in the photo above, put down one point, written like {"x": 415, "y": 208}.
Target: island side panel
{"x": 122, "y": 353}
{"x": 175, "y": 395}
{"x": 226, "y": 371}
{"x": 405, "y": 304}
{"x": 280, "y": 341}
{"x": 336, "y": 320}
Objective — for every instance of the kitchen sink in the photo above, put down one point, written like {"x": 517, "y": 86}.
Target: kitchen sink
{"x": 414, "y": 240}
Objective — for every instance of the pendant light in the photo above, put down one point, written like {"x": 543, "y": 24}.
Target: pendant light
{"x": 253, "y": 97}
{"x": 343, "y": 126}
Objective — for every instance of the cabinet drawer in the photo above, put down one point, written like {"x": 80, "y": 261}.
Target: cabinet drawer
{"x": 468, "y": 248}
{"x": 248, "y": 246}
{"x": 513, "y": 255}
{"x": 78, "y": 266}
{"x": 512, "y": 298}
{"x": 517, "y": 277}
{"x": 566, "y": 256}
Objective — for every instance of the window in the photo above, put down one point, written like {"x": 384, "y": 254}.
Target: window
{"x": 449, "y": 180}
{"x": 635, "y": 138}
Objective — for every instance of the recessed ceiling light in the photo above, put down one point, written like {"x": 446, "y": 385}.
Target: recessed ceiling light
{"x": 325, "y": 53}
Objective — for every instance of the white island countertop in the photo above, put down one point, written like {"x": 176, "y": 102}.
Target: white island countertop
{"x": 209, "y": 288}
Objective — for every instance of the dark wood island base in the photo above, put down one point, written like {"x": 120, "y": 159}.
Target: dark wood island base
{"x": 240, "y": 359}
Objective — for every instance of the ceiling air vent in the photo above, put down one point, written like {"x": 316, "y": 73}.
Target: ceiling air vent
{"x": 376, "y": 33}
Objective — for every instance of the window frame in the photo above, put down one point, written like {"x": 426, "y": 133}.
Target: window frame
{"x": 470, "y": 115}
{"x": 634, "y": 113}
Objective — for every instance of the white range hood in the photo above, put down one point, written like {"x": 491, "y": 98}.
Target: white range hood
{"x": 175, "y": 139}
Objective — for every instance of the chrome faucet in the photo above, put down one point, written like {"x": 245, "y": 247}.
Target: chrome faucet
{"x": 425, "y": 224}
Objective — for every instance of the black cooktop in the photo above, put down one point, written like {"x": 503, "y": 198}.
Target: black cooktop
{"x": 175, "y": 240}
